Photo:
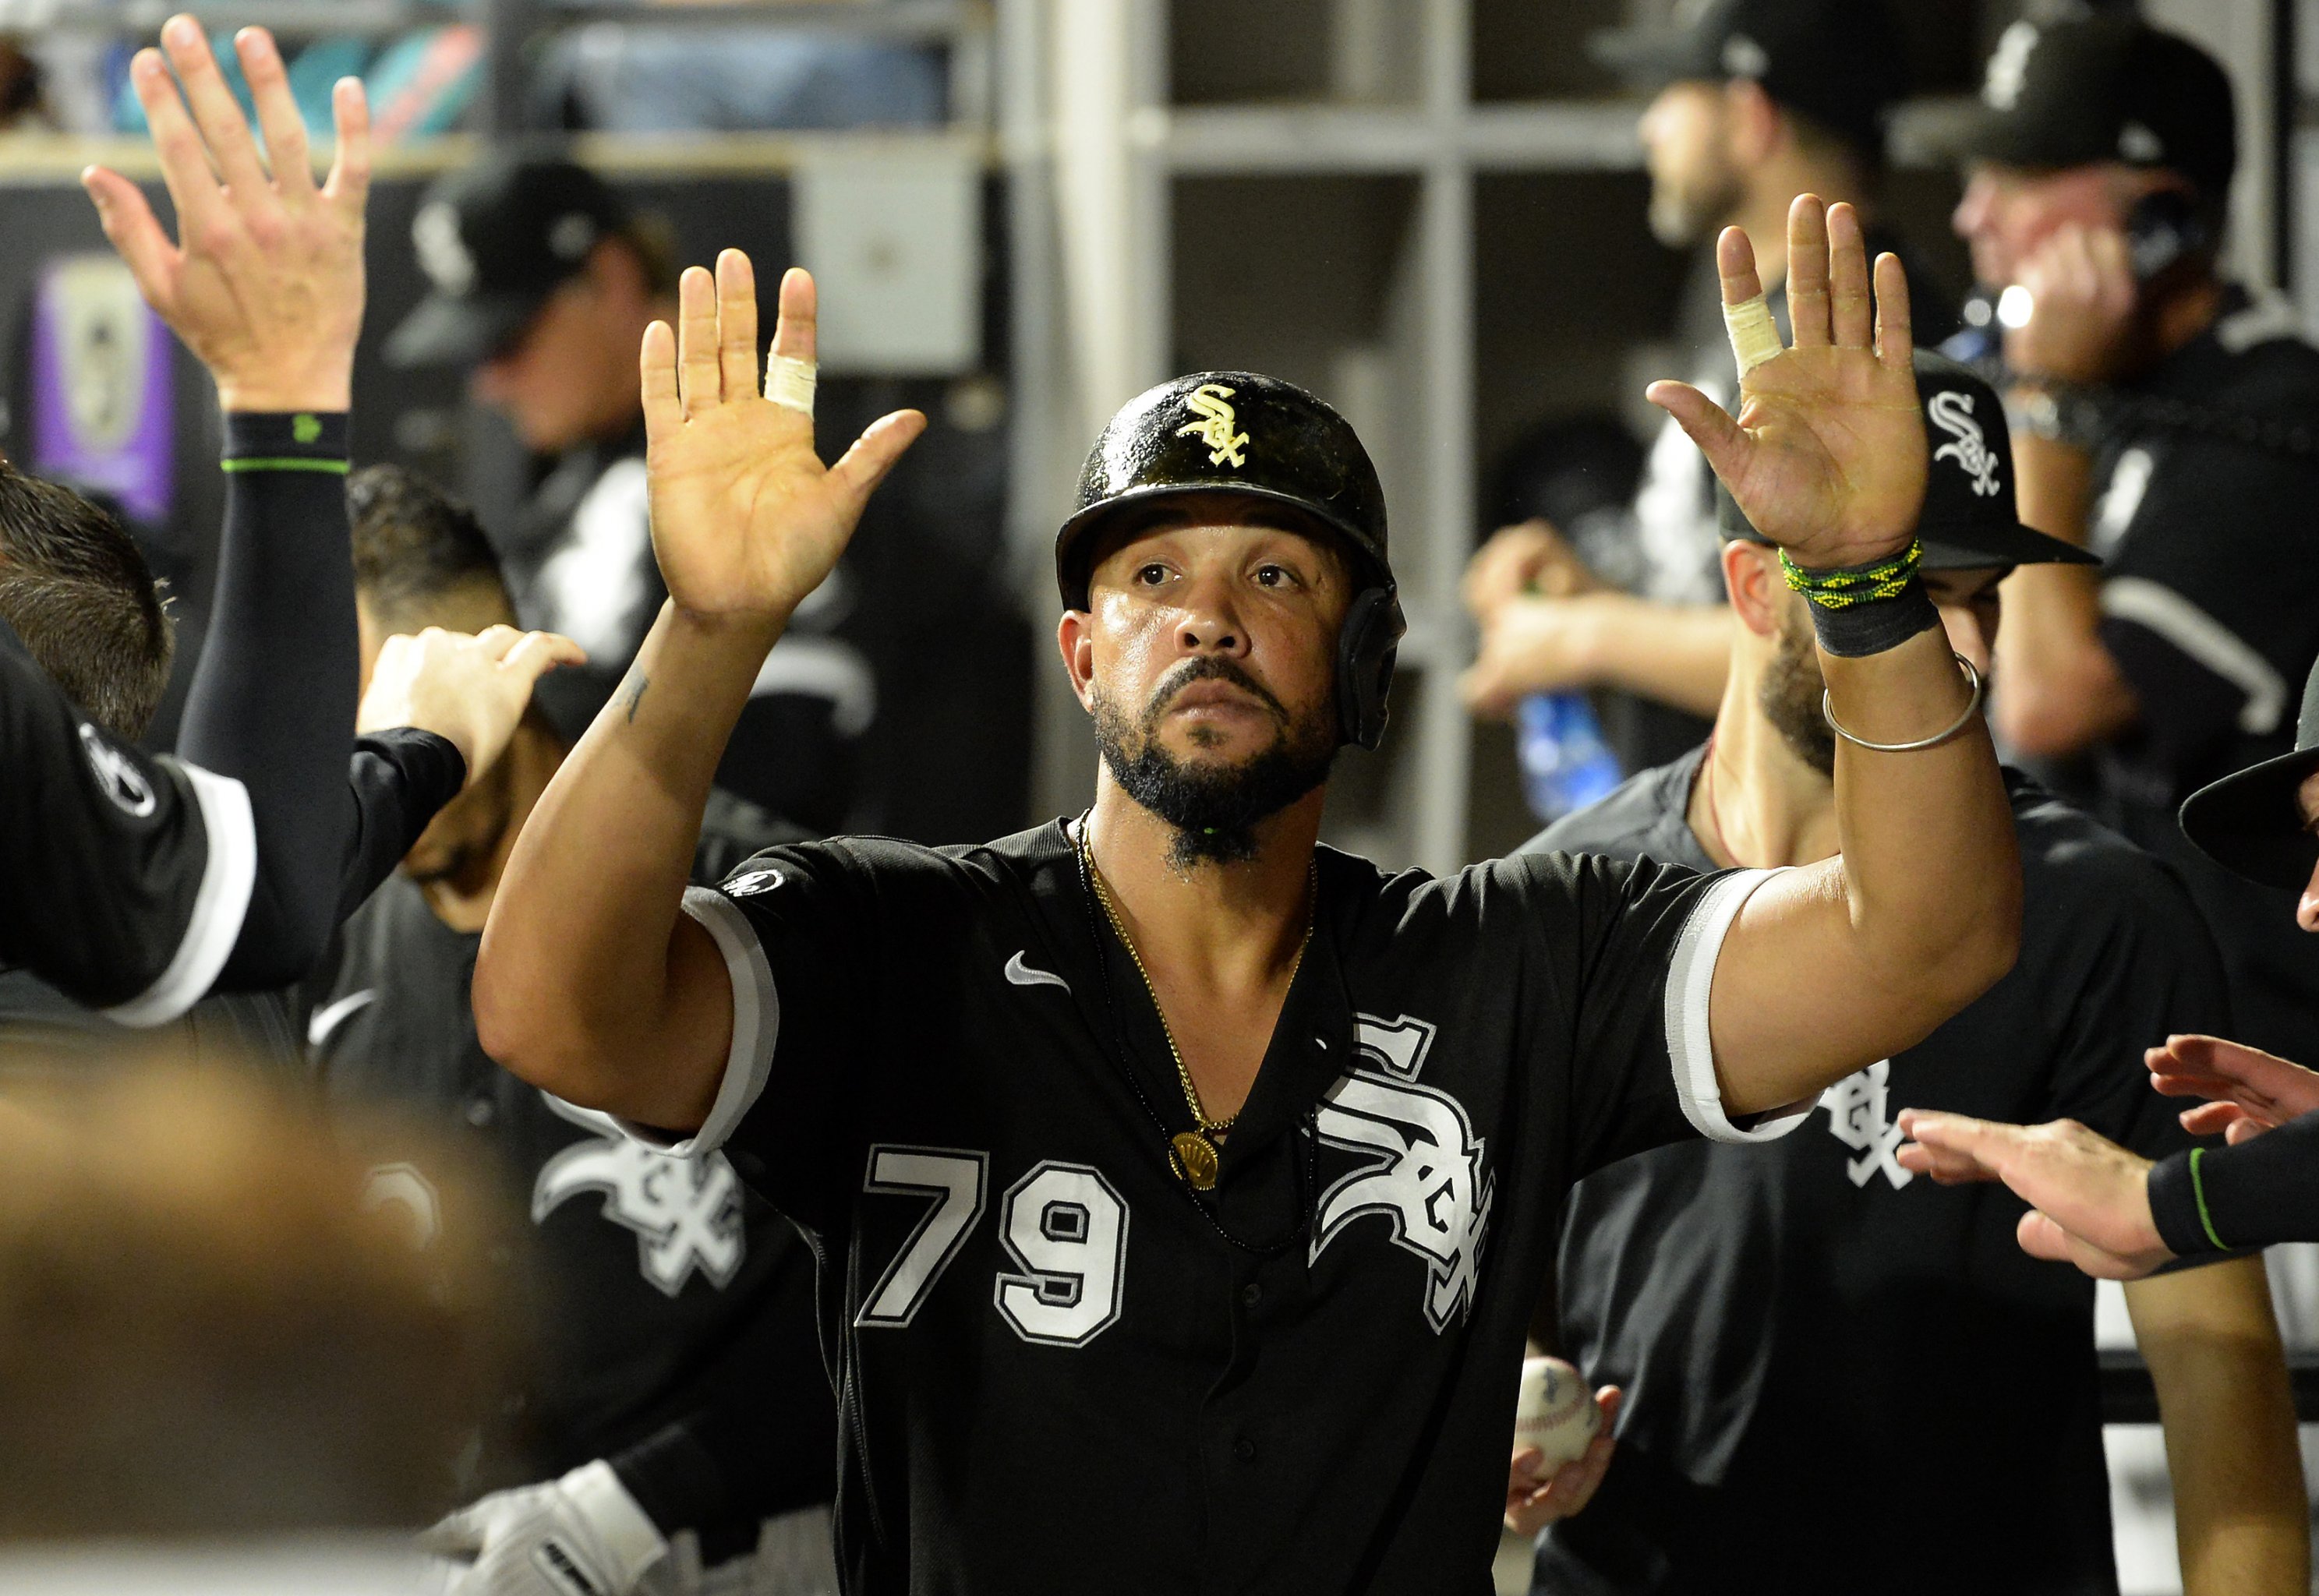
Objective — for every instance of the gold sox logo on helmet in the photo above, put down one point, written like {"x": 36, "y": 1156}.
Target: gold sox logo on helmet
{"x": 1214, "y": 427}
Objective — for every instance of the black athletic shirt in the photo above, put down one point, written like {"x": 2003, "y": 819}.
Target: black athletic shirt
{"x": 2210, "y": 604}
{"x": 1057, "y": 1372}
{"x": 678, "y": 1307}
{"x": 1811, "y": 1336}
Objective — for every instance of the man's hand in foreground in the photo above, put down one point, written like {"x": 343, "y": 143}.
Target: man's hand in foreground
{"x": 1534, "y": 1500}
{"x": 469, "y": 690}
{"x": 2250, "y": 1091}
{"x": 746, "y": 518}
{"x": 1828, "y": 455}
{"x": 265, "y": 283}
{"x": 2089, "y": 1197}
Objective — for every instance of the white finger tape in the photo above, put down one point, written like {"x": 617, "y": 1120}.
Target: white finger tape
{"x": 1754, "y": 337}
{"x": 790, "y": 381}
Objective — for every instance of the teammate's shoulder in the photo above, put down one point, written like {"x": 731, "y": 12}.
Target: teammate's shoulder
{"x": 2066, "y": 853}
{"x": 732, "y": 829}
{"x": 1632, "y": 820}
{"x": 2266, "y": 361}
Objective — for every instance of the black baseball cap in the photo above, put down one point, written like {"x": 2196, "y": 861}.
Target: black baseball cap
{"x": 1840, "y": 62}
{"x": 1969, "y": 520}
{"x": 495, "y": 240}
{"x": 2252, "y": 822}
{"x": 2104, "y": 87}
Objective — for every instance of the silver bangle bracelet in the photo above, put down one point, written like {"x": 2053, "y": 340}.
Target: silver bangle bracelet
{"x": 1972, "y": 707}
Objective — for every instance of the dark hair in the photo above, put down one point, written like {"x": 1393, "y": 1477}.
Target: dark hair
{"x": 76, "y": 588}
{"x": 415, "y": 546}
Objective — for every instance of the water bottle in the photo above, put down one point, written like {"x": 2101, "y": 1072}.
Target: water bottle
{"x": 1566, "y": 764}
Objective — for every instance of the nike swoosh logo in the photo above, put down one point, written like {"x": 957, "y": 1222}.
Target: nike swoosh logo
{"x": 327, "y": 1020}
{"x": 1022, "y": 975}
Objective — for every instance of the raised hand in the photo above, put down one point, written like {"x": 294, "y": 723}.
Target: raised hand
{"x": 265, "y": 281}
{"x": 2250, "y": 1091}
{"x": 1828, "y": 455}
{"x": 2089, "y": 1197}
{"x": 472, "y": 690}
{"x": 746, "y": 519}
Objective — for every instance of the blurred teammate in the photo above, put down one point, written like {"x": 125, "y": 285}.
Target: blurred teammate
{"x": 138, "y": 884}
{"x": 1162, "y": 1158}
{"x": 2112, "y": 1212}
{"x": 1758, "y": 101}
{"x": 1765, "y": 1309}
{"x": 2156, "y": 405}
{"x": 543, "y": 280}
{"x": 683, "y": 1397}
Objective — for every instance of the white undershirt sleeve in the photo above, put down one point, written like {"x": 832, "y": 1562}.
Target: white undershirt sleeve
{"x": 756, "y": 1025}
{"x": 1690, "y": 1048}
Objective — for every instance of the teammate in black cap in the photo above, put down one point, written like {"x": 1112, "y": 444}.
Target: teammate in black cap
{"x": 2165, "y": 419}
{"x": 1753, "y": 102}
{"x": 2114, "y": 1213}
{"x": 1182, "y": 1187}
{"x": 1811, "y": 1322}
{"x": 542, "y": 277}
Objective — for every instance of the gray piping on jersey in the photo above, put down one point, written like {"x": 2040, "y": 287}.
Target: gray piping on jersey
{"x": 2268, "y": 316}
{"x": 756, "y": 1023}
{"x": 2161, "y": 610}
{"x": 822, "y": 668}
{"x": 330, "y": 1017}
{"x": 1691, "y": 1047}
{"x": 219, "y": 902}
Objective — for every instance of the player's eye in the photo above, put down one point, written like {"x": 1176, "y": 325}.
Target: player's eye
{"x": 1274, "y": 576}
{"x": 1152, "y": 574}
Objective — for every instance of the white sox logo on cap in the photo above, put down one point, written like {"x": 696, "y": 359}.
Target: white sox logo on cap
{"x": 443, "y": 253}
{"x": 2009, "y": 67}
{"x": 1952, "y": 411}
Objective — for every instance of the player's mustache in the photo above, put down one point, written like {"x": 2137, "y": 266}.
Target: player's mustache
{"x": 1210, "y": 667}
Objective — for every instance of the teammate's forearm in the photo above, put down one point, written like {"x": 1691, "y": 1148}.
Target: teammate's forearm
{"x": 272, "y": 700}
{"x": 2225, "y": 1400}
{"x": 572, "y": 984}
{"x": 2060, "y": 692}
{"x": 1675, "y": 653}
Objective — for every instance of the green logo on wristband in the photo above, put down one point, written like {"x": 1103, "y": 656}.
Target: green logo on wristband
{"x": 306, "y": 429}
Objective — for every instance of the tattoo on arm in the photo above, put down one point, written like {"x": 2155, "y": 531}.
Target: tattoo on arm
{"x": 632, "y": 693}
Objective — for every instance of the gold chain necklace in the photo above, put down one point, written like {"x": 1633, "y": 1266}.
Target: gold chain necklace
{"x": 1192, "y": 1152}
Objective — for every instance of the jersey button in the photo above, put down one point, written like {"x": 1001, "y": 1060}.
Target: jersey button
{"x": 479, "y": 1113}
{"x": 1244, "y": 1449}
{"x": 1251, "y": 1294}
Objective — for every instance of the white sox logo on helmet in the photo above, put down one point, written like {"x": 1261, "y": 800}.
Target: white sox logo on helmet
{"x": 1426, "y": 1179}
{"x": 1214, "y": 427}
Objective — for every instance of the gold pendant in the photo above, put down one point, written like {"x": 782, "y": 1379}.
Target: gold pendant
{"x": 1196, "y": 1159}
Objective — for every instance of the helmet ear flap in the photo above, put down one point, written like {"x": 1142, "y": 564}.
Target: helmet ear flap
{"x": 1366, "y": 650}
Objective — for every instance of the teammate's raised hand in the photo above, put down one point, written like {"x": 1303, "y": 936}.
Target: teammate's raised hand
{"x": 1827, "y": 455}
{"x": 746, "y": 519}
{"x": 264, "y": 280}
{"x": 2248, "y": 1090}
{"x": 472, "y": 690}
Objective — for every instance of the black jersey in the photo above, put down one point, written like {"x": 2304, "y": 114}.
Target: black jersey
{"x": 2210, "y": 604}
{"x": 678, "y": 1306}
{"x": 1811, "y": 1329}
{"x": 1061, "y": 1370}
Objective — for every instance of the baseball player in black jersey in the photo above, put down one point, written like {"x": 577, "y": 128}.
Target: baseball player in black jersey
{"x": 679, "y": 1426}
{"x": 1761, "y": 1307}
{"x": 1182, "y": 1187}
{"x": 139, "y": 884}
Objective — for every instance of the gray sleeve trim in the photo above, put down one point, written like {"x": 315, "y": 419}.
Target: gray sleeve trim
{"x": 1691, "y": 1047}
{"x": 757, "y": 1026}
{"x": 219, "y": 904}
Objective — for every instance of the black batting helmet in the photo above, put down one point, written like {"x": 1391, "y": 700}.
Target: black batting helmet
{"x": 1238, "y": 432}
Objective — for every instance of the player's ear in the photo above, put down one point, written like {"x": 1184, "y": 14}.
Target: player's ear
{"x": 1759, "y": 593}
{"x": 1075, "y": 639}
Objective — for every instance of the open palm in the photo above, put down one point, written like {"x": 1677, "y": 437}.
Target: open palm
{"x": 1827, "y": 457}
{"x": 746, "y": 519}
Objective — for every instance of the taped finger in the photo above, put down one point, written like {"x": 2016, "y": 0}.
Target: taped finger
{"x": 1755, "y": 336}
{"x": 791, "y": 382}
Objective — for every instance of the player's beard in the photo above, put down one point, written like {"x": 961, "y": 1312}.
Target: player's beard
{"x": 1213, "y": 809}
{"x": 1691, "y": 207}
{"x": 1790, "y": 693}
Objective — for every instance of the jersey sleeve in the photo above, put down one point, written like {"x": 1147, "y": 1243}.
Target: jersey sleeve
{"x": 798, "y": 928}
{"x": 125, "y": 878}
{"x": 1637, "y": 966}
{"x": 2210, "y": 1200}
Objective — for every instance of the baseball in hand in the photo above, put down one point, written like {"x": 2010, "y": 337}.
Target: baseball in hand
{"x": 1555, "y": 1413}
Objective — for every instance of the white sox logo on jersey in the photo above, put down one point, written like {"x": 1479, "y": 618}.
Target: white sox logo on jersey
{"x": 1952, "y": 412}
{"x": 1860, "y": 1115}
{"x": 1427, "y": 1178}
{"x": 686, "y": 1212}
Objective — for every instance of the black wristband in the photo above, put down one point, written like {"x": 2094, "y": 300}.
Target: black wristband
{"x": 1874, "y": 628}
{"x": 2175, "y": 1208}
{"x": 287, "y": 440}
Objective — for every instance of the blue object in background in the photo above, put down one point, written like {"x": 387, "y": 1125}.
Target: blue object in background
{"x": 1566, "y": 764}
